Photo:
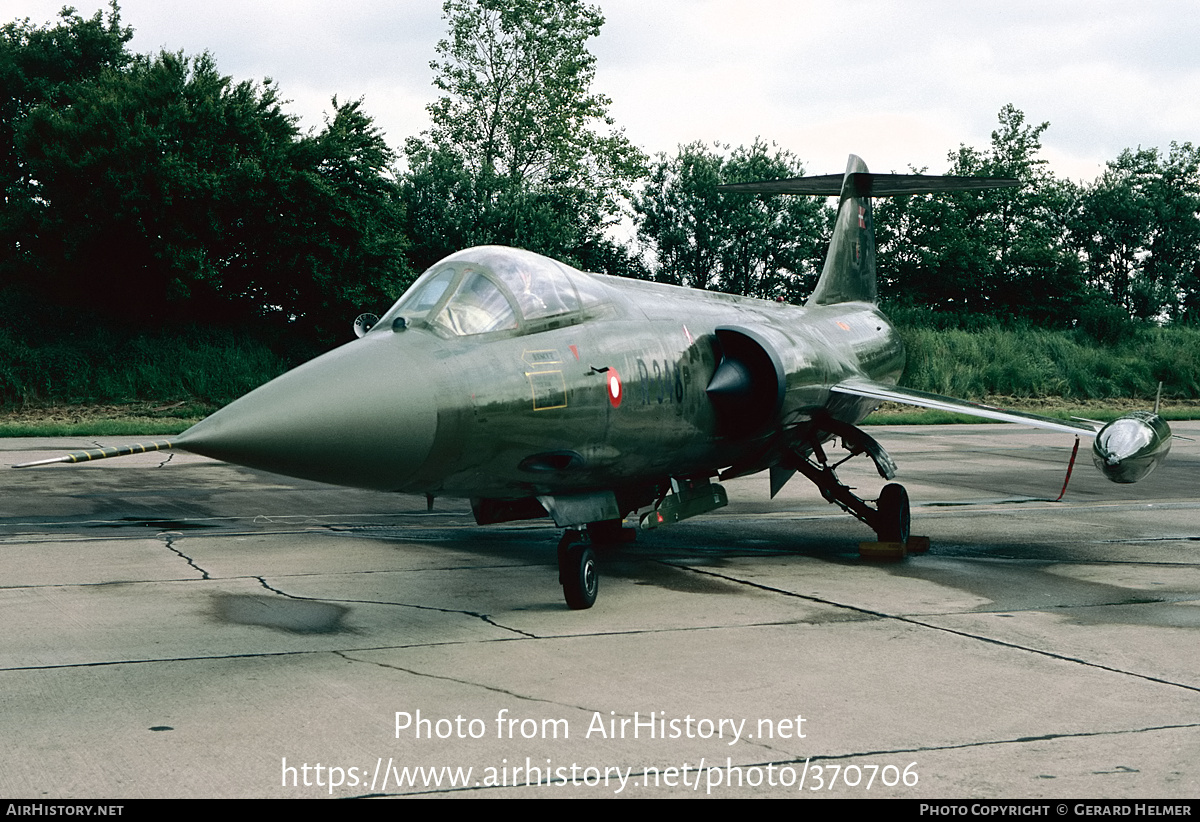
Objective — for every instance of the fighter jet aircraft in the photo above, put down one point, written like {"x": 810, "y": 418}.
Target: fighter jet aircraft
{"x": 534, "y": 389}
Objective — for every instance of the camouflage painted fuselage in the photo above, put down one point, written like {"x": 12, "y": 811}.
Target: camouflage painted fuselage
{"x": 610, "y": 396}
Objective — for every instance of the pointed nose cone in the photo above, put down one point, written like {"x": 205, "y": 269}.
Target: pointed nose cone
{"x": 363, "y": 415}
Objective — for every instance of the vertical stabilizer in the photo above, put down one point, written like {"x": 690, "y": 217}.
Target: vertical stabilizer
{"x": 849, "y": 272}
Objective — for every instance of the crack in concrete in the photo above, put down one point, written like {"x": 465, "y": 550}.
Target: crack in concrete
{"x": 966, "y": 634}
{"x": 1016, "y": 740}
{"x": 525, "y": 697}
{"x": 373, "y": 648}
{"x": 367, "y": 649}
{"x": 170, "y": 456}
{"x": 107, "y": 663}
{"x": 829, "y": 786}
{"x": 474, "y": 614}
{"x": 168, "y": 538}
{"x": 1049, "y": 609}
{"x": 491, "y": 688}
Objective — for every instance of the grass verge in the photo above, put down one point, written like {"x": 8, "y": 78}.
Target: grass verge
{"x": 123, "y": 420}
{"x": 891, "y": 413}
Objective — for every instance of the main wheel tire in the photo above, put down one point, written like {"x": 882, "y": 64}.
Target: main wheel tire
{"x": 580, "y": 580}
{"x": 894, "y": 514}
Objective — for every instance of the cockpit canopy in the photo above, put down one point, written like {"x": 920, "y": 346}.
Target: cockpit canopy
{"x": 493, "y": 288}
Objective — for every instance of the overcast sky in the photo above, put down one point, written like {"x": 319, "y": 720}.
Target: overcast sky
{"x": 899, "y": 83}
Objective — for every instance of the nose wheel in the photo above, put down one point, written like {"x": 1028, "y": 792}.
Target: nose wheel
{"x": 577, "y": 571}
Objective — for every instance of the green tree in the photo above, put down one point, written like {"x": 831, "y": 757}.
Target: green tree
{"x": 319, "y": 233}
{"x": 39, "y": 66}
{"x": 521, "y": 150}
{"x": 170, "y": 190}
{"x": 1139, "y": 232}
{"x": 766, "y": 246}
{"x": 1001, "y": 252}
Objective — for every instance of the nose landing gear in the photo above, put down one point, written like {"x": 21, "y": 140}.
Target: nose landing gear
{"x": 577, "y": 570}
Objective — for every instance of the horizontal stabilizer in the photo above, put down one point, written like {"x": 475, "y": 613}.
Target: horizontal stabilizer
{"x": 872, "y": 185}
{"x": 849, "y": 271}
{"x": 102, "y": 453}
{"x": 923, "y": 399}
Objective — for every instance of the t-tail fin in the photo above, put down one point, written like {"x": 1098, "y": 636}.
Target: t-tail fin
{"x": 849, "y": 272}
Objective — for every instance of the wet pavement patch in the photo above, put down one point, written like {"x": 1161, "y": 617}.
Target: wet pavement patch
{"x": 297, "y": 616}
{"x": 160, "y": 524}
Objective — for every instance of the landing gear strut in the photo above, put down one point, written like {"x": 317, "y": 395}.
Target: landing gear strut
{"x": 890, "y": 518}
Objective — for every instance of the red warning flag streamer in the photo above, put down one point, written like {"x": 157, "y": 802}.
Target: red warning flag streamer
{"x": 1070, "y": 467}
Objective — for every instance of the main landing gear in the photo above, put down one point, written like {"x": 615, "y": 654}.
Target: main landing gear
{"x": 893, "y": 517}
{"x": 577, "y": 560}
{"x": 890, "y": 518}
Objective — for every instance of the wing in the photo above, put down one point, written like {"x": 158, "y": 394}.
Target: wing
{"x": 908, "y": 396}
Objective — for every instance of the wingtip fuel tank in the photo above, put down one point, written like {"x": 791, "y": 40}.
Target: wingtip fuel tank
{"x": 1130, "y": 447}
